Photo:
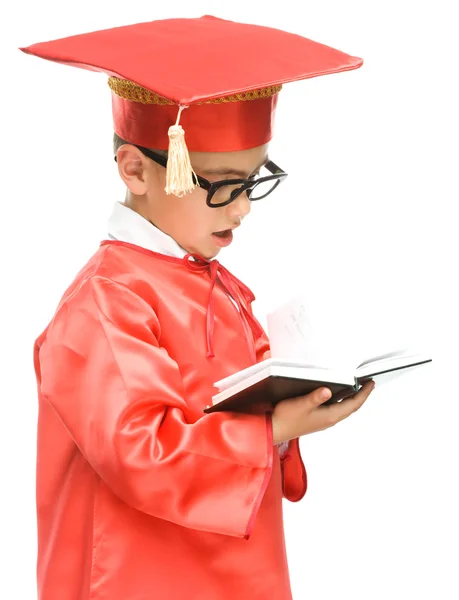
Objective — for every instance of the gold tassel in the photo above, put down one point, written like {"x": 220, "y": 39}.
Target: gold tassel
{"x": 179, "y": 173}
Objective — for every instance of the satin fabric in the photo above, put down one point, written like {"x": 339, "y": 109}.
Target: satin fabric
{"x": 139, "y": 494}
{"x": 222, "y": 127}
{"x": 193, "y": 60}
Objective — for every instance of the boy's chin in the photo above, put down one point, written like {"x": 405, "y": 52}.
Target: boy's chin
{"x": 209, "y": 255}
{"x": 206, "y": 253}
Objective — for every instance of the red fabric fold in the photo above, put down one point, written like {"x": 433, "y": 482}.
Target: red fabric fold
{"x": 239, "y": 292}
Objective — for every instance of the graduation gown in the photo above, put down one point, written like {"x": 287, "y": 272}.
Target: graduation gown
{"x": 139, "y": 494}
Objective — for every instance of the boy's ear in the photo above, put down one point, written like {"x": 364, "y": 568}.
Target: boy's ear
{"x": 132, "y": 168}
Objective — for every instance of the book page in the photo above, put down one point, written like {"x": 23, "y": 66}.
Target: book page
{"x": 391, "y": 361}
{"x": 314, "y": 335}
{"x": 405, "y": 352}
{"x": 394, "y": 372}
{"x": 231, "y": 380}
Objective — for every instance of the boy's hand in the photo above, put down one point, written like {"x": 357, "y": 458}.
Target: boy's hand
{"x": 295, "y": 417}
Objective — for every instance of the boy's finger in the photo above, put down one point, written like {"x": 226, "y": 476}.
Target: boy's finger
{"x": 317, "y": 397}
{"x": 339, "y": 411}
{"x": 321, "y": 395}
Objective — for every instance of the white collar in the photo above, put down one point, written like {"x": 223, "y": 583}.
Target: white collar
{"x": 126, "y": 225}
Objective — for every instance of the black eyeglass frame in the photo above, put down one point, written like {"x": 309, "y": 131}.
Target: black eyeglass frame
{"x": 247, "y": 185}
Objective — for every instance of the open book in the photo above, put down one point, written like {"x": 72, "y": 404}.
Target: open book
{"x": 300, "y": 364}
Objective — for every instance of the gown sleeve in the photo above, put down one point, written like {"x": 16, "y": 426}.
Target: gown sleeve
{"x": 294, "y": 476}
{"x": 121, "y": 398}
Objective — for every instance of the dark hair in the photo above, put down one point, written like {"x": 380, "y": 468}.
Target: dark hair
{"x": 117, "y": 142}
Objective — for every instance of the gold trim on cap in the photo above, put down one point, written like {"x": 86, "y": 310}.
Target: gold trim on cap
{"x": 136, "y": 93}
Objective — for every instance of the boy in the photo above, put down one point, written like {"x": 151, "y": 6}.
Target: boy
{"x": 139, "y": 494}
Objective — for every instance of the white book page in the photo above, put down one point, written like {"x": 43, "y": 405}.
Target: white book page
{"x": 388, "y": 356}
{"x": 231, "y": 380}
{"x": 245, "y": 374}
{"x": 395, "y": 375}
{"x": 312, "y": 334}
{"x": 393, "y": 361}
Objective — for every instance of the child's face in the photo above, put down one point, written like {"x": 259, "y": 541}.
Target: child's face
{"x": 188, "y": 219}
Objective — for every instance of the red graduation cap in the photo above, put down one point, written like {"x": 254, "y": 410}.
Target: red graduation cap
{"x": 226, "y": 74}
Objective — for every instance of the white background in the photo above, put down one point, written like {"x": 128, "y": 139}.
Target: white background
{"x": 366, "y": 226}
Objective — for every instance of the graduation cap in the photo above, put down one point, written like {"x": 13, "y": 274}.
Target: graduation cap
{"x": 214, "y": 79}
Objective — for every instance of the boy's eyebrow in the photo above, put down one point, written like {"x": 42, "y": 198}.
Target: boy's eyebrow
{"x": 232, "y": 170}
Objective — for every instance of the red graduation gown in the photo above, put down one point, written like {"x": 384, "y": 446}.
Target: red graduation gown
{"x": 140, "y": 495}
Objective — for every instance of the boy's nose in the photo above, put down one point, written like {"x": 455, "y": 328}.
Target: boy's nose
{"x": 240, "y": 207}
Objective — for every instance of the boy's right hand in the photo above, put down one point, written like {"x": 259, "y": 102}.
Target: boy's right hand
{"x": 295, "y": 417}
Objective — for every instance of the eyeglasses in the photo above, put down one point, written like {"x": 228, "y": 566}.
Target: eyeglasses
{"x": 222, "y": 193}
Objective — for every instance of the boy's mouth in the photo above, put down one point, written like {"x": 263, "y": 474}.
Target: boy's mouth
{"x": 223, "y": 238}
